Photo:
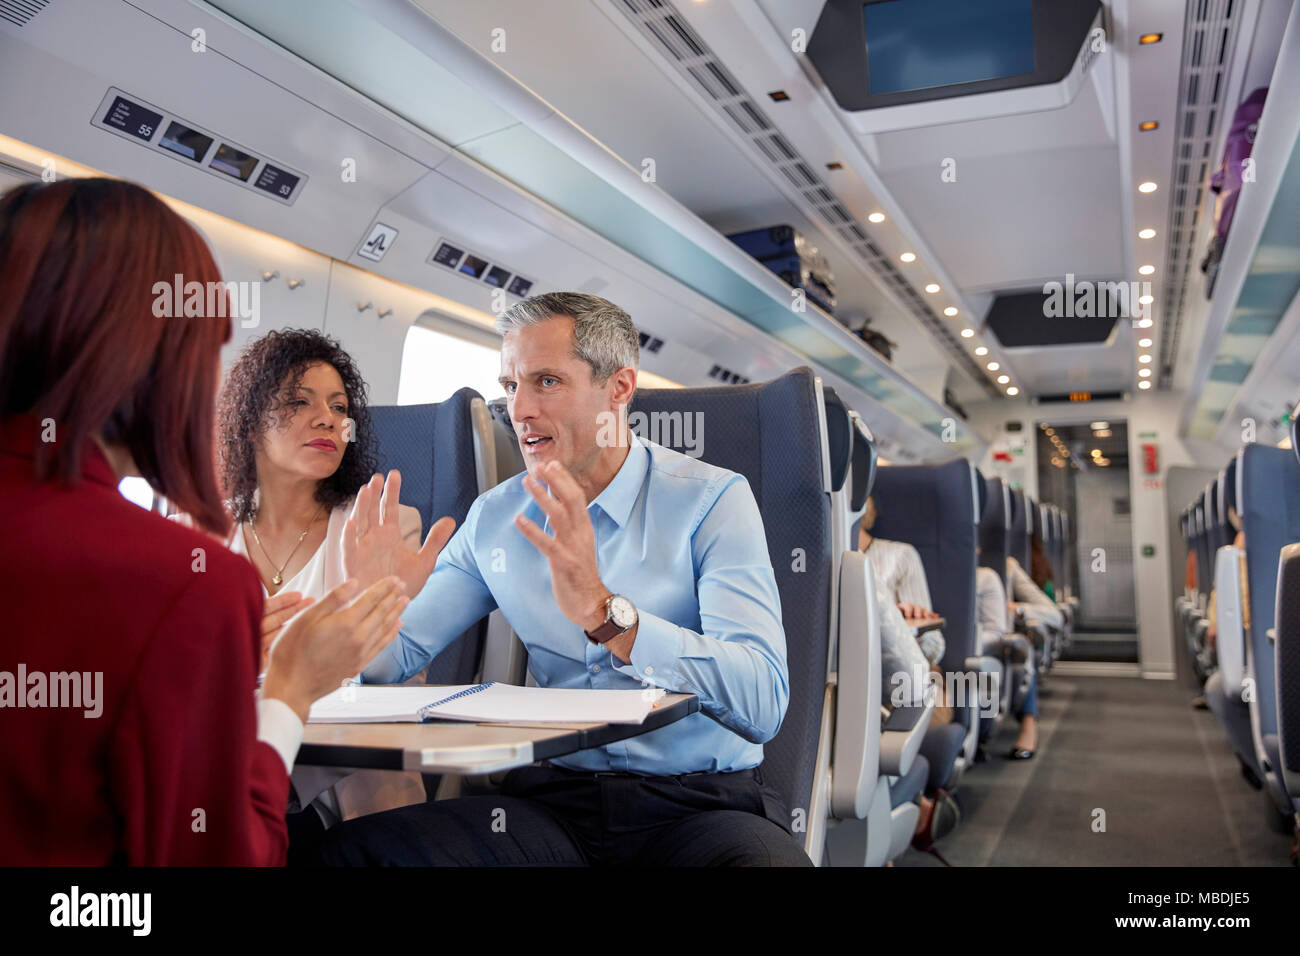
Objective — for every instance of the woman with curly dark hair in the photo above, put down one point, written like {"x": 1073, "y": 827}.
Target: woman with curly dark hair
{"x": 297, "y": 453}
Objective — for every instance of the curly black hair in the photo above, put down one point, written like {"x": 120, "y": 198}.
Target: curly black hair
{"x": 252, "y": 396}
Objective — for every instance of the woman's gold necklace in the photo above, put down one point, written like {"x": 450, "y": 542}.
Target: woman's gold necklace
{"x": 279, "y": 573}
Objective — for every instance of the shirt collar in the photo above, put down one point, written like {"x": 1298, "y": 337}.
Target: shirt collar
{"x": 620, "y": 494}
{"x": 20, "y": 434}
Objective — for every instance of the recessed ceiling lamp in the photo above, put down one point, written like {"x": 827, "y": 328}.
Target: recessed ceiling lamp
{"x": 1147, "y": 187}
{"x": 1148, "y": 125}
{"x": 967, "y": 333}
{"x": 1145, "y": 383}
{"x": 1147, "y": 234}
{"x": 834, "y": 165}
{"x": 908, "y": 257}
{"x": 1013, "y": 391}
{"x": 993, "y": 366}
{"x": 1103, "y": 433}
{"x": 1146, "y": 299}
{"x": 876, "y": 217}
{"x": 1049, "y": 429}
{"x": 1146, "y": 270}
{"x": 1144, "y": 372}
{"x": 982, "y": 350}
{"x": 1096, "y": 453}
{"x": 1149, "y": 38}
{"x": 950, "y": 312}
{"x": 779, "y": 96}
{"x": 1144, "y": 323}
{"x": 1098, "y": 426}
{"x": 1144, "y": 343}
{"x": 932, "y": 288}
{"x": 1144, "y": 359}
{"x": 1003, "y": 379}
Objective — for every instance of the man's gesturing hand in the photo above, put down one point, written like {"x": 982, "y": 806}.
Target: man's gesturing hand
{"x": 571, "y": 552}
{"x": 372, "y": 541}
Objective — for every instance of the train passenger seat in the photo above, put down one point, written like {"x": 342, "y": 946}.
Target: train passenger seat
{"x": 1287, "y": 659}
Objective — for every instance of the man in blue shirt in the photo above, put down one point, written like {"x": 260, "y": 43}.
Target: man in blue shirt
{"x": 620, "y": 564}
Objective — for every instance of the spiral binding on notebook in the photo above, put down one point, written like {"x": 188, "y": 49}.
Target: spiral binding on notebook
{"x": 426, "y": 712}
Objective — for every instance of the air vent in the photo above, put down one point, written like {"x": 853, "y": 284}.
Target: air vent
{"x": 650, "y": 343}
{"x": 1208, "y": 41}
{"x": 21, "y": 12}
{"x": 660, "y": 23}
{"x": 728, "y": 376}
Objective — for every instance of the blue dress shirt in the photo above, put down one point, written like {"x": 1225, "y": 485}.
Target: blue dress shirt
{"x": 684, "y": 541}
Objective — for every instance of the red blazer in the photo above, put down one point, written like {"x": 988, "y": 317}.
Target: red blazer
{"x": 171, "y": 771}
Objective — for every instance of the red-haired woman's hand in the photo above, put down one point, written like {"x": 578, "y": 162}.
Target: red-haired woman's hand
{"x": 373, "y": 547}
{"x": 331, "y": 641}
{"x": 277, "y": 610}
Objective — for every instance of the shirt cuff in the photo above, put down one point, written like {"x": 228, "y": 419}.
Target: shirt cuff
{"x": 280, "y": 727}
{"x": 655, "y": 653}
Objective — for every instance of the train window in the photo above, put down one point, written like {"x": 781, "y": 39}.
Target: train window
{"x": 136, "y": 490}
{"x": 436, "y": 364}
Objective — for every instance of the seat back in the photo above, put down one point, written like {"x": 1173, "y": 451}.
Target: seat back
{"x": 1018, "y": 529}
{"x": 932, "y": 508}
{"x": 994, "y": 528}
{"x": 1231, "y": 641}
{"x": 1268, "y": 490}
{"x": 1287, "y": 664}
{"x": 774, "y": 433}
{"x": 447, "y": 457}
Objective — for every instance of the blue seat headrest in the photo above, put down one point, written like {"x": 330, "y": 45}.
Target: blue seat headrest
{"x": 864, "y": 468}
{"x": 839, "y": 434}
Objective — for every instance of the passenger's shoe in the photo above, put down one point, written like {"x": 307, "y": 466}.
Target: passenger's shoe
{"x": 944, "y": 817}
{"x": 1200, "y": 703}
{"x": 1019, "y": 753}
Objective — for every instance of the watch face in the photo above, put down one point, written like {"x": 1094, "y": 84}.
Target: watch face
{"x": 622, "y": 612}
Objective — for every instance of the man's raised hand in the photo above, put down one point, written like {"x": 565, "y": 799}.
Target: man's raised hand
{"x": 372, "y": 539}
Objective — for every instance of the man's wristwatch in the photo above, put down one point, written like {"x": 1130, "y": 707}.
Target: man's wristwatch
{"x": 620, "y": 617}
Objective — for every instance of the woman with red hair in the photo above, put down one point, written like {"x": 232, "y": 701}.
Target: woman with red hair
{"x": 132, "y": 730}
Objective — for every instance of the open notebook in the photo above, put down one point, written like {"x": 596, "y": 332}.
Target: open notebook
{"x": 485, "y": 703}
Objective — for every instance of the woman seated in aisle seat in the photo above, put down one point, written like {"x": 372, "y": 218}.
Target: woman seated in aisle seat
{"x": 150, "y": 746}
{"x": 905, "y": 681}
{"x": 1040, "y": 569}
{"x": 296, "y": 447}
{"x": 997, "y": 640}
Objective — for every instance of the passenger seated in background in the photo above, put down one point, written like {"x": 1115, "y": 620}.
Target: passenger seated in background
{"x": 1040, "y": 569}
{"x": 682, "y": 597}
{"x": 1028, "y": 599}
{"x": 899, "y": 568}
{"x": 296, "y": 446}
{"x": 996, "y": 639}
{"x": 1229, "y": 704}
{"x": 167, "y": 757}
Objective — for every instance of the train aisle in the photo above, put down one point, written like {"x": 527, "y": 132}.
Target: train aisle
{"x": 1163, "y": 773}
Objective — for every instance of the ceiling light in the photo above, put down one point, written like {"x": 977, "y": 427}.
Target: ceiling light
{"x": 1098, "y": 426}
{"x": 932, "y": 288}
{"x": 1147, "y": 234}
{"x": 1144, "y": 343}
{"x": 908, "y": 257}
{"x": 1146, "y": 270}
{"x": 993, "y": 366}
{"x": 1096, "y": 453}
{"x": 1003, "y": 379}
{"x": 950, "y": 312}
{"x": 1144, "y": 372}
{"x": 1013, "y": 390}
{"x": 1148, "y": 38}
{"x": 1148, "y": 126}
{"x": 1146, "y": 299}
{"x": 1144, "y": 323}
{"x": 1147, "y": 187}
{"x": 1144, "y": 359}
{"x": 967, "y": 333}
{"x": 834, "y": 165}
{"x": 982, "y": 350}
{"x": 1049, "y": 430}
{"x": 1104, "y": 433}
{"x": 876, "y": 217}
{"x": 1145, "y": 383}
{"x": 779, "y": 96}
{"x": 1101, "y": 462}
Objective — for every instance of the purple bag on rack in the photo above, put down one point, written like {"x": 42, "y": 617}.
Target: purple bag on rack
{"x": 1227, "y": 179}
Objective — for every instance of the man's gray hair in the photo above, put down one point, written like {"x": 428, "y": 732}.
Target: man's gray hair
{"x": 603, "y": 334}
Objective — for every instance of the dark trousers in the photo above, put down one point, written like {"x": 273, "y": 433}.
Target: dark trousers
{"x": 549, "y": 816}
